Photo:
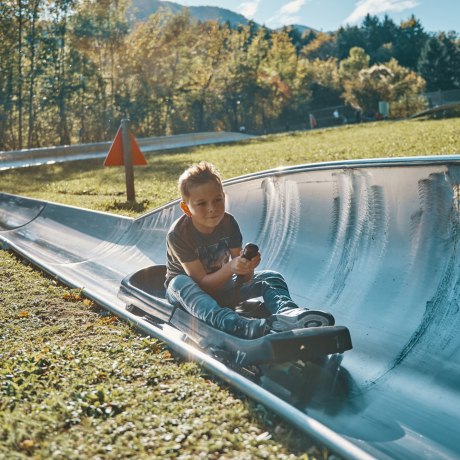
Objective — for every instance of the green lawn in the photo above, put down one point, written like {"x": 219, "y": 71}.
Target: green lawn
{"x": 88, "y": 184}
{"x": 76, "y": 383}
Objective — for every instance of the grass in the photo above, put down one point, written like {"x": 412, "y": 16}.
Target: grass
{"x": 88, "y": 184}
{"x": 76, "y": 383}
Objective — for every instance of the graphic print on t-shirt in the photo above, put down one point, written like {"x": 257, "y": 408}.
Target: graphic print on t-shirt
{"x": 214, "y": 256}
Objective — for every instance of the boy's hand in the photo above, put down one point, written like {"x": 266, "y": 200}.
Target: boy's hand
{"x": 254, "y": 261}
{"x": 243, "y": 266}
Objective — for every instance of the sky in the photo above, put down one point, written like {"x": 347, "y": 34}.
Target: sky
{"x": 329, "y": 15}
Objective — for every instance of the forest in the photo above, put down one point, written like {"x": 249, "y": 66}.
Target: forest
{"x": 70, "y": 70}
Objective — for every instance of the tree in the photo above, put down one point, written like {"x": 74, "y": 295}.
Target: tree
{"x": 278, "y": 74}
{"x": 439, "y": 63}
{"x": 294, "y": 36}
{"x": 391, "y": 83}
{"x": 385, "y": 51}
{"x": 21, "y": 34}
{"x": 407, "y": 87}
{"x": 56, "y": 80}
{"x": 99, "y": 29}
{"x": 372, "y": 34}
{"x": 382, "y": 40}
{"x": 20, "y": 102}
{"x": 7, "y": 73}
{"x": 349, "y": 37}
{"x": 408, "y": 42}
{"x": 323, "y": 46}
{"x": 357, "y": 61}
{"x": 378, "y": 37}
{"x": 321, "y": 79}
{"x": 240, "y": 92}
{"x": 157, "y": 70}
{"x": 372, "y": 85}
{"x": 33, "y": 41}
{"x": 208, "y": 51}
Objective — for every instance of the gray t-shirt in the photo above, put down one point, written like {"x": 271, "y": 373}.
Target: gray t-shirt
{"x": 184, "y": 243}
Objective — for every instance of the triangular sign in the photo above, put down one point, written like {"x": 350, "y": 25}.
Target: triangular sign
{"x": 115, "y": 155}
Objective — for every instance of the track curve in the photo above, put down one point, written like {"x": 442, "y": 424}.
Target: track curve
{"x": 373, "y": 241}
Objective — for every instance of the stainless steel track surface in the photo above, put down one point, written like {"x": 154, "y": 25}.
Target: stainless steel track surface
{"x": 49, "y": 155}
{"x": 375, "y": 242}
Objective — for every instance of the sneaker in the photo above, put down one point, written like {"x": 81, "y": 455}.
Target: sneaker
{"x": 299, "y": 318}
{"x": 250, "y": 328}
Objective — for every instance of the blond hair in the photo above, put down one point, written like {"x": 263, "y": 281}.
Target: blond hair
{"x": 197, "y": 174}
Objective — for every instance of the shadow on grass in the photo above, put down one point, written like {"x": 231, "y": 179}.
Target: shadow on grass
{"x": 132, "y": 206}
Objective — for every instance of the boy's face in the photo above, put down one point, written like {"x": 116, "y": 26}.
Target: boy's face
{"x": 205, "y": 205}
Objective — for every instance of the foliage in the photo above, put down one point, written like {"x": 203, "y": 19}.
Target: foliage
{"x": 71, "y": 70}
{"x": 406, "y": 88}
{"x": 354, "y": 63}
{"x": 439, "y": 63}
{"x": 409, "y": 43}
{"x": 323, "y": 47}
{"x": 366, "y": 86}
{"x": 383, "y": 40}
{"x": 323, "y": 80}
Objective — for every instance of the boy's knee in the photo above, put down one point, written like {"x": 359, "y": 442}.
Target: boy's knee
{"x": 179, "y": 282}
{"x": 265, "y": 275}
{"x": 178, "y": 289}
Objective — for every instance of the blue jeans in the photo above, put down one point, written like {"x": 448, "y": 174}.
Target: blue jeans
{"x": 218, "y": 310}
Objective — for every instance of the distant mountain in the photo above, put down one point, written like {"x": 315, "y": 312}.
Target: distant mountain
{"x": 303, "y": 29}
{"x": 142, "y": 9}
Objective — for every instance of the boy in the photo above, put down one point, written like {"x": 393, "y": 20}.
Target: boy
{"x": 206, "y": 273}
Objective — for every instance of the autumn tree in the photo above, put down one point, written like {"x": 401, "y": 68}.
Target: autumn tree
{"x": 99, "y": 29}
{"x": 7, "y": 74}
{"x": 388, "y": 82}
{"x": 358, "y": 60}
{"x": 407, "y": 87}
{"x": 157, "y": 71}
{"x": 237, "y": 91}
{"x": 323, "y": 46}
{"x": 207, "y": 53}
{"x": 278, "y": 75}
{"x": 321, "y": 78}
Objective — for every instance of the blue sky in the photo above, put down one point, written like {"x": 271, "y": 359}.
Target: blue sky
{"x": 329, "y": 15}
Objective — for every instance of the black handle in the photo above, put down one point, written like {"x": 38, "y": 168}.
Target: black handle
{"x": 250, "y": 251}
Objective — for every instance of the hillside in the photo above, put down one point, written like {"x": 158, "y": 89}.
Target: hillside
{"x": 142, "y": 9}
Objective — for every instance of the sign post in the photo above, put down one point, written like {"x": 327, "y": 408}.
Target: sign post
{"x": 125, "y": 152}
{"x": 128, "y": 161}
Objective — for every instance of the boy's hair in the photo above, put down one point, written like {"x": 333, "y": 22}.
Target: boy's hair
{"x": 197, "y": 174}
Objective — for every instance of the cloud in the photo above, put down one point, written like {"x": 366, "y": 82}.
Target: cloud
{"x": 376, "y": 7}
{"x": 248, "y": 9}
{"x": 292, "y": 7}
{"x": 287, "y": 14}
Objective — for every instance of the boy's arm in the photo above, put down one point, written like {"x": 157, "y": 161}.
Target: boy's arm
{"x": 212, "y": 282}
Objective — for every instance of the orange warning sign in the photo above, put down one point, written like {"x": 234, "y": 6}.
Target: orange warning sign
{"x": 115, "y": 155}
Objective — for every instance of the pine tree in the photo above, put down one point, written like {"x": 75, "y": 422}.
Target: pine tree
{"x": 435, "y": 65}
